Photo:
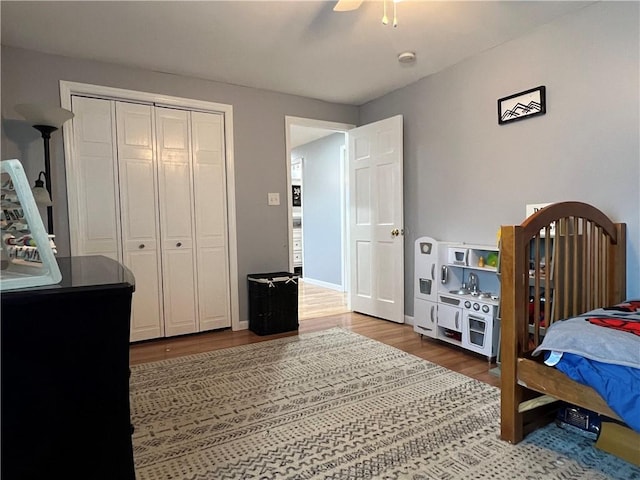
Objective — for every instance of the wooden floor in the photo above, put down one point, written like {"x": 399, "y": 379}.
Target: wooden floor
{"x": 315, "y": 301}
{"x": 397, "y": 335}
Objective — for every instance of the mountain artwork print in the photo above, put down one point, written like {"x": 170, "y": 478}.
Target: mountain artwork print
{"x": 522, "y": 105}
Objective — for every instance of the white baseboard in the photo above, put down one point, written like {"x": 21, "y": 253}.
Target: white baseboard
{"x": 320, "y": 283}
{"x": 408, "y": 320}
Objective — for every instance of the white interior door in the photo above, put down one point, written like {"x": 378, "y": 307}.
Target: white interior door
{"x": 93, "y": 196}
{"x": 210, "y": 194}
{"x": 176, "y": 220}
{"x": 376, "y": 219}
{"x": 140, "y": 229}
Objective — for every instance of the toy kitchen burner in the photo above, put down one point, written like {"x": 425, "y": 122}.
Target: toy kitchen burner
{"x": 453, "y": 308}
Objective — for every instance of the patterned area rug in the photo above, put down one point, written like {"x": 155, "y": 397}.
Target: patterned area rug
{"x": 336, "y": 405}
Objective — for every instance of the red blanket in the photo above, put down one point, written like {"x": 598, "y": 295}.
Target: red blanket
{"x": 626, "y": 325}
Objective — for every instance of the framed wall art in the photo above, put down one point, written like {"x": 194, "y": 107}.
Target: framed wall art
{"x": 519, "y": 106}
{"x": 296, "y": 195}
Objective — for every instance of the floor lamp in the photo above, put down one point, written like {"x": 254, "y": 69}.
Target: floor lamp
{"x": 46, "y": 119}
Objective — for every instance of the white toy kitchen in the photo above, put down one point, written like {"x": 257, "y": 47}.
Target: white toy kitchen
{"x": 456, "y": 294}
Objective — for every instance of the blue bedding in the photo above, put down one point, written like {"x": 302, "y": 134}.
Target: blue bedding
{"x": 606, "y": 359}
{"x": 618, "y": 385}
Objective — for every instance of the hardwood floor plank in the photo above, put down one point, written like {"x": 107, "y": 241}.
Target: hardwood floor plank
{"x": 315, "y": 301}
{"x": 396, "y": 335}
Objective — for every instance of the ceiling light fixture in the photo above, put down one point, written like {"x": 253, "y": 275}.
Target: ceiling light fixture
{"x": 385, "y": 18}
{"x": 395, "y": 17}
{"x": 407, "y": 57}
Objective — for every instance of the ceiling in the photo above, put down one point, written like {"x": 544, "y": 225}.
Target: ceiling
{"x": 295, "y": 47}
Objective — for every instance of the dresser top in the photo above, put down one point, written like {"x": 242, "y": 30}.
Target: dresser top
{"x": 83, "y": 273}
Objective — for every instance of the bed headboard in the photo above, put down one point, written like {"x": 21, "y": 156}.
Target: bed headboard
{"x": 564, "y": 260}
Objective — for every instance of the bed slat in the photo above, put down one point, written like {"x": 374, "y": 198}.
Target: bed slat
{"x": 550, "y": 381}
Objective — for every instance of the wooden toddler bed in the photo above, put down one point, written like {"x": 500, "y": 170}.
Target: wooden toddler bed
{"x": 566, "y": 259}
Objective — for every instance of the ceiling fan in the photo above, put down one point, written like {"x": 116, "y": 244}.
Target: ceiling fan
{"x": 349, "y": 5}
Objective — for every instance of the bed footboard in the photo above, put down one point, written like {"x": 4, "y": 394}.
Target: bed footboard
{"x": 566, "y": 259}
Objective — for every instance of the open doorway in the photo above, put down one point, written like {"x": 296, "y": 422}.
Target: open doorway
{"x": 373, "y": 241}
{"x": 317, "y": 206}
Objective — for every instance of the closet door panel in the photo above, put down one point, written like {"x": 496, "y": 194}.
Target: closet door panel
{"x": 211, "y": 220}
{"x": 176, "y": 210}
{"x": 176, "y": 220}
{"x": 139, "y": 194}
{"x": 146, "y": 311}
{"x": 94, "y": 197}
{"x": 140, "y": 228}
{"x": 179, "y": 288}
{"x": 175, "y": 175}
{"x": 209, "y": 175}
{"x": 140, "y": 249}
{"x": 214, "y": 291}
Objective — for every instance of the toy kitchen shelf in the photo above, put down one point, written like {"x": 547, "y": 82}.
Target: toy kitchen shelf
{"x": 479, "y": 257}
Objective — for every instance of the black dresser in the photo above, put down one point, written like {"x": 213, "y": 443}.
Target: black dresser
{"x": 65, "y": 375}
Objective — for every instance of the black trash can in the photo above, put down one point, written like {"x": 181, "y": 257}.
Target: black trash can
{"x": 273, "y": 302}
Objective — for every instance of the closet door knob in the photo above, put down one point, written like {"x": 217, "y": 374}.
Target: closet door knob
{"x": 141, "y": 245}
{"x": 179, "y": 244}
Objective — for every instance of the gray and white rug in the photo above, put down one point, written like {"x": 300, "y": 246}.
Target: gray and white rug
{"x": 336, "y": 405}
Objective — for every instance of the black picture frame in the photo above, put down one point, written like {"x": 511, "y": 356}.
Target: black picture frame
{"x": 296, "y": 195}
{"x": 527, "y": 104}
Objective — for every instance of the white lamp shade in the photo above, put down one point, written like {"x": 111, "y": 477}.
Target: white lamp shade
{"x": 41, "y": 196}
{"x": 49, "y": 115}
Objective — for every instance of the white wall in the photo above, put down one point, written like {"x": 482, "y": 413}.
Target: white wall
{"x": 465, "y": 175}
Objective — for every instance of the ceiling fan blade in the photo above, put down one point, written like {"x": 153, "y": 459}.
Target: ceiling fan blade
{"x": 347, "y": 5}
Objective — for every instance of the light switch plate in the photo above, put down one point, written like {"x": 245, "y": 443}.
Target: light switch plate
{"x": 273, "y": 198}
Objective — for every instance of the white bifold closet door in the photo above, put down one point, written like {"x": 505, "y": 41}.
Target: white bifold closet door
{"x": 161, "y": 190}
{"x": 210, "y": 195}
{"x": 92, "y": 187}
{"x": 175, "y": 189}
{"x": 138, "y": 207}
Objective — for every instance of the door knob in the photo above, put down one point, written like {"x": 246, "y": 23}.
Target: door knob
{"x": 395, "y": 232}
{"x": 141, "y": 245}
{"x": 179, "y": 244}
